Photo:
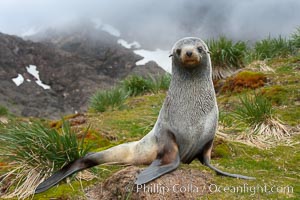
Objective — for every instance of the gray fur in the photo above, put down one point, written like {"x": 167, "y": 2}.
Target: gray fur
{"x": 191, "y": 99}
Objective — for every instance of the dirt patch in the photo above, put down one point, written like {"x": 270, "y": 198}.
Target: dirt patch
{"x": 179, "y": 184}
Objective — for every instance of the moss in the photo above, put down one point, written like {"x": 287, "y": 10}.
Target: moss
{"x": 76, "y": 188}
{"x": 295, "y": 59}
{"x": 276, "y": 94}
{"x": 284, "y": 69}
{"x": 58, "y": 123}
{"x": 220, "y": 149}
{"x": 270, "y": 167}
{"x": 94, "y": 137}
{"x": 132, "y": 123}
{"x": 244, "y": 80}
{"x": 64, "y": 191}
{"x": 290, "y": 115}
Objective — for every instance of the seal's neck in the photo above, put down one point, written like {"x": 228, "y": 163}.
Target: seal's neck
{"x": 197, "y": 77}
{"x": 191, "y": 91}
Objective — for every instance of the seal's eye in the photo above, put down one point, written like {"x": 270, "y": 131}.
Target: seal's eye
{"x": 200, "y": 49}
{"x": 178, "y": 51}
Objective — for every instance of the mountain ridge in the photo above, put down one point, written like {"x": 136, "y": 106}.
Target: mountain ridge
{"x": 74, "y": 65}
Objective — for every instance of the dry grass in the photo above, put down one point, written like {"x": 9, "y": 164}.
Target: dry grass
{"x": 33, "y": 152}
{"x": 257, "y": 122}
{"x": 260, "y": 65}
{"x": 25, "y": 180}
{"x": 265, "y": 135}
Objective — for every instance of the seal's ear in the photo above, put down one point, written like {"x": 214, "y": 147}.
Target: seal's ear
{"x": 170, "y": 55}
{"x": 208, "y": 51}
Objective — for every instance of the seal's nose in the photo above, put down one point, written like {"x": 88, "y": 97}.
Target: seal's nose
{"x": 189, "y": 53}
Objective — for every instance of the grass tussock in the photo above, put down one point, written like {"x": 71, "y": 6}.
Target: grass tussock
{"x": 34, "y": 151}
{"x": 226, "y": 56}
{"x": 132, "y": 86}
{"x": 136, "y": 85}
{"x": 273, "y": 47}
{"x": 295, "y": 38}
{"x": 257, "y": 113}
{"x": 3, "y": 110}
{"x": 108, "y": 99}
{"x": 159, "y": 83}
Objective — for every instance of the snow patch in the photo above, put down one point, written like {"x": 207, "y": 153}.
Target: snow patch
{"x": 111, "y": 30}
{"x": 18, "y": 80}
{"x": 161, "y": 57}
{"x": 127, "y": 45}
{"x": 106, "y": 27}
{"x": 30, "y": 32}
{"x": 32, "y": 69}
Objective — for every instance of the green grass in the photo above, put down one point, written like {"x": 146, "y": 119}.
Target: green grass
{"x": 290, "y": 115}
{"x": 137, "y": 85}
{"x": 284, "y": 69}
{"x": 35, "y": 151}
{"x": 3, "y": 110}
{"x": 226, "y": 55}
{"x": 255, "y": 121}
{"x": 273, "y": 47}
{"x": 253, "y": 110}
{"x": 132, "y": 86}
{"x": 107, "y": 99}
{"x": 225, "y": 118}
{"x": 277, "y": 94}
{"x": 159, "y": 83}
{"x": 270, "y": 167}
{"x": 295, "y": 38}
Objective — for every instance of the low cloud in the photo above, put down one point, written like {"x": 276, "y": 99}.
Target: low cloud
{"x": 156, "y": 23}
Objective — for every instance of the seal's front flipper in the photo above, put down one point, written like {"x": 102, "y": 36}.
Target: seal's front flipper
{"x": 167, "y": 160}
{"x": 69, "y": 169}
{"x": 156, "y": 170}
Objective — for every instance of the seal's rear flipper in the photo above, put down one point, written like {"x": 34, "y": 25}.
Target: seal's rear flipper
{"x": 205, "y": 159}
{"x": 167, "y": 160}
{"x": 219, "y": 172}
{"x": 69, "y": 169}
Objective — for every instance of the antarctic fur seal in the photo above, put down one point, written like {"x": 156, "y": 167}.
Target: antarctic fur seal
{"x": 184, "y": 130}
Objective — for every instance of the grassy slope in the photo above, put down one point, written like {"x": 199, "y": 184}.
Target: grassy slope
{"x": 277, "y": 166}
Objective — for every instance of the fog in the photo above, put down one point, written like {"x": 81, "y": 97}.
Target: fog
{"x": 158, "y": 23}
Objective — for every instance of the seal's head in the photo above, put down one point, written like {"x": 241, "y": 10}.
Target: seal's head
{"x": 189, "y": 52}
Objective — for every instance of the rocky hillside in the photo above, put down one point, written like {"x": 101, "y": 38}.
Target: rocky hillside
{"x": 71, "y": 64}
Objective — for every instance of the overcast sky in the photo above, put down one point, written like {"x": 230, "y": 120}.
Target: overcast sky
{"x": 159, "y": 22}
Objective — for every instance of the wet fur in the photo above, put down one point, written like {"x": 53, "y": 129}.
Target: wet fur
{"x": 185, "y": 127}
